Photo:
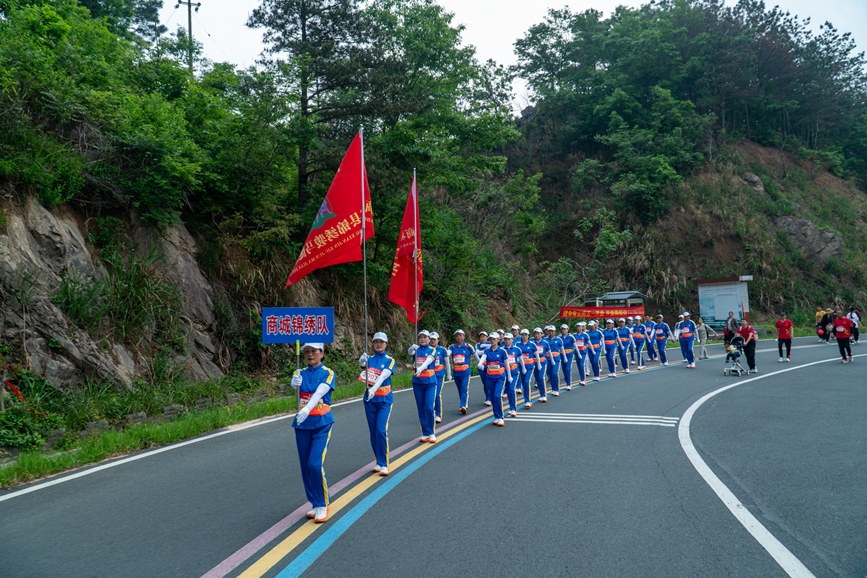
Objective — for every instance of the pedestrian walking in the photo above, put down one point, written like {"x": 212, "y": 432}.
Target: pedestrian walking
{"x": 651, "y": 342}
{"x": 826, "y": 326}
{"x": 568, "y": 342}
{"x": 661, "y": 334}
{"x": 686, "y": 334}
{"x": 703, "y": 331}
{"x": 639, "y": 338}
{"x": 748, "y": 332}
{"x": 556, "y": 352}
{"x": 461, "y": 353}
{"x": 480, "y": 348}
{"x": 529, "y": 361}
{"x": 543, "y": 352}
{"x": 378, "y": 398}
{"x": 785, "y": 332}
{"x": 843, "y": 330}
{"x": 514, "y": 366}
{"x": 424, "y": 385}
{"x": 730, "y": 329}
{"x": 612, "y": 344}
{"x": 855, "y": 317}
{"x": 582, "y": 345}
{"x": 494, "y": 361}
{"x": 597, "y": 339}
{"x": 313, "y": 424}
{"x": 442, "y": 370}
{"x": 624, "y": 343}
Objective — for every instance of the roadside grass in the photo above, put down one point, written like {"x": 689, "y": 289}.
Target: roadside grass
{"x": 112, "y": 443}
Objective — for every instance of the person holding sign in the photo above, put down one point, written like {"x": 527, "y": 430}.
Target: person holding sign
{"x": 378, "y": 398}
{"x": 460, "y": 353}
{"x": 424, "y": 385}
{"x": 313, "y": 424}
{"x": 442, "y": 366}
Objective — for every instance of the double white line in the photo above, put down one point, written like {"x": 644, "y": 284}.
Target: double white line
{"x": 657, "y": 420}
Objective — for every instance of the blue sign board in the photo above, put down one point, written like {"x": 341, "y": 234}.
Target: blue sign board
{"x": 291, "y": 324}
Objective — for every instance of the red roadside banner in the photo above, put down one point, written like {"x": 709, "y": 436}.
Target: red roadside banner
{"x": 406, "y": 272}
{"x": 335, "y": 236}
{"x": 594, "y": 312}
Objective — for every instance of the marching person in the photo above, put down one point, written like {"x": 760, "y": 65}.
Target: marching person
{"x": 461, "y": 353}
{"x": 639, "y": 338}
{"x": 630, "y": 325}
{"x": 543, "y": 353}
{"x": 529, "y": 361}
{"x": 378, "y": 398}
{"x": 624, "y": 338}
{"x": 313, "y": 424}
{"x": 703, "y": 330}
{"x": 750, "y": 339}
{"x": 648, "y": 331}
{"x": 442, "y": 367}
{"x": 843, "y": 327}
{"x": 515, "y": 330}
{"x": 494, "y": 361}
{"x": 685, "y": 333}
{"x": 556, "y": 345}
{"x": 481, "y": 346}
{"x": 612, "y": 345}
{"x": 568, "y": 343}
{"x": 785, "y": 331}
{"x": 730, "y": 329}
{"x": 514, "y": 366}
{"x": 596, "y": 338}
{"x": 424, "y": 385}
{"x": 582, "y": 344}
{"x": 661, "y": 333}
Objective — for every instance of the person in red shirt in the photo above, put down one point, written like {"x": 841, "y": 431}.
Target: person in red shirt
{"x": 843, "y": 331}
{"x": 784, "y": 336}
{"x": 750, "y": 338}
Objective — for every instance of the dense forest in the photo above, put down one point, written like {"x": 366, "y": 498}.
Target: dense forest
{"x": 623, "y": 174}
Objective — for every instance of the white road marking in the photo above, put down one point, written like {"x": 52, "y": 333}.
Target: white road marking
{"x": 593, "y": 421}
{"x": 787, "y": 561}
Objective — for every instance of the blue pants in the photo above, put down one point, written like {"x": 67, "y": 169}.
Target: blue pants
{"x": 594, "y": 354}
{"x": 312, "y": 446}
{"x": 639, "y": 352}
{"x": 623, "y": 361}
{"x": 539, "y": 374}
{"x": 554, "y": 374}
{"x": 660, "y": 346}
{"x": 651, "y": 349}
{"x": 425, "y": 393}
{"x": 510, "y": 390}
{"x": 581, "y": 363}
{"x": 525, "y": 383}
{"x": 462, "y": 382}
{"x": 495, "y": 386}
{"x": 438, "y": 400}
{"x": 686, "y": 350}
{"x": 610, "y": 354}
{"x": 378, "y": 411}
{"x": 484, "y": 377}
{"x": 567, "y": 371}
{"x": 631, "y": 351}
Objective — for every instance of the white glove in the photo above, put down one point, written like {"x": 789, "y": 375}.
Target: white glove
{"x": 412, "y": 349}
{"x": 449, "y": 377}
{"x": 296, "y": 380}
{"x": 698, "y": 341}
{"x": 362, "y": 361}
{"x": 538, "y": 366}
{"x": 302, "y": 415}
{"x": 481, "y": 366}
{"x": 371, "y": 392}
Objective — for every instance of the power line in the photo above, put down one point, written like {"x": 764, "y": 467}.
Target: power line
{"x": 214, "y": 40}
{"x": 189, "y": 4}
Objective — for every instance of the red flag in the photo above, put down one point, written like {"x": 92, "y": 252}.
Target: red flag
{"x": 405, "y": 287}
{"x": 335, "y": 237}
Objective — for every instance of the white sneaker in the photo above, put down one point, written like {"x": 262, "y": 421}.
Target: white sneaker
{"x": 666, "y": 363}
{"x": 376, "y": 468}
{"x": 424, "y": 439}
{"x": 321, "y": 515}
{"x": 788, "y": 360}
{"x": 780, "y": 360}
{"x": 627, "y": 370}
{"x": 755, "y": 370}
{"x": 513, "y": 413}
{"x": 612, "y": 375}
{"x": 312, "y": 513}
{"x": 528, "y": 405}
{"x": 555, "y": 393}
{"x": 596, "y": 378}
{"x": 500, "y": 422}
{"x": 438, "y": 419}
{"x": 432, "y": 439}
{"x": 519, "y": 391}
{"x": 383, "y": 472}
{"x": 543, "y": 399}
{"x": 487, "y": 403}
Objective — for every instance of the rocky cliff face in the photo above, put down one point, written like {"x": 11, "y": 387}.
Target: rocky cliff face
{"x": 39, "y": 247}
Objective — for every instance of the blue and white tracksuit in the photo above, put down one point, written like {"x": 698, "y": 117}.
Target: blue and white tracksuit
{"x": 514, "y": 355}
{"x": 556, "y": 346}
{"x": 661, "y": 333}
{"x": 483, "y": 376}
{"x": 624, "y": 336}
{"x": 496, "y": 365}
{"x": 597, "y": 341}
{"x": 424, "y": 386}
{"x": 612, "y": 345}
{"x": 582, "y": 348}
{"x": 651, "y": 340}
{"x": 378, "y": 409}
{"x": 462, "y": 370}
{"x": 440, "y": 371}
{"x": 639, "y": 337}
{"x": 687, "y": 335}
{"x": 528, "y": 360}
{"x": 313, "y": 435}
{"x": 543, "y": 350}
{"x": 568, "y": 355}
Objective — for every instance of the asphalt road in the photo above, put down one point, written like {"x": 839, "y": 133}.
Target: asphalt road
{"x": 556, "y": 496}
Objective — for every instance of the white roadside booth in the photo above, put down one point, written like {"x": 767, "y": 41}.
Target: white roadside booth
{"x": 716, "y": 297}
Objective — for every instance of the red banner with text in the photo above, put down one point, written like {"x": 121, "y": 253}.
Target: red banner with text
{"x": 596, "y": 312}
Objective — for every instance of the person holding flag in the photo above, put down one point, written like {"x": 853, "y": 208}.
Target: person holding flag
{"x": 568, "y": 354}
{"x": 495, "y": 361}
{"x": 461, "y": 353}
{"x": 441, "y": 368}
{"x": 313, "y": 424}
{"x": 529, "y": 360}
{"x": 378, "y": 398}
{"x": 424, "y": 385}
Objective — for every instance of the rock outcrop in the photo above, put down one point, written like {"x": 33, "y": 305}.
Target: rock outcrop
{"x": 812, "y": 241}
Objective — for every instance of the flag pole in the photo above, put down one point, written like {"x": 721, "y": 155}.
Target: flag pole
{"x": 415, "y": 222}
{"x": 364, "y": 236}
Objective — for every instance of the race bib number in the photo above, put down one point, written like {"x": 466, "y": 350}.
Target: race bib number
{"x": 460, "y": 358}
{"x": 369, "y": 375}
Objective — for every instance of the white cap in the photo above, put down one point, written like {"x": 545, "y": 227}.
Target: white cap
{"x": 434, "y": 335}
{"x": 686, "y": 313}
{"x": 525, "y": 331}
{"x": 537, "y": 330}
{"x": 592, "y": 322}
{"x": 515, "y": 326}
{"x": 381, "y": 336}
{"x": 461, "y": 331}
{"x": 483, "y": 333}
{"x": 630, "y": 317}
{"x": 583, "y": 323}
{"x": 424, "y": 332}
{"x": 611, "y": 321}
{"x": 314, "y": 346}
{"x": 564, "y": 326}
{"x": 494, "y": 335}
{"x": 680, "y": 316}
{"x": 508, "y": 336}
{"x": 621, "y": 319}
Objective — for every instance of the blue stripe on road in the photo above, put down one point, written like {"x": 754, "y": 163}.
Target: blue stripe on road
{"x": 304, "y": 560}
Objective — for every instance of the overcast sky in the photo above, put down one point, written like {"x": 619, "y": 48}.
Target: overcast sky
{"x": 492, "y": 27}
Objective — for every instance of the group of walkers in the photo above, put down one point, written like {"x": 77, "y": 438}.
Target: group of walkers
{"x": 507, "y": 362}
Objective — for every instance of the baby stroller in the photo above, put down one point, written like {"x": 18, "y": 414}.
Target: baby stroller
{"x": 734, "y": 351}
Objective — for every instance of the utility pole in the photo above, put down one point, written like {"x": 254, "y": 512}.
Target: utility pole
{"x": 189, "y": 6}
